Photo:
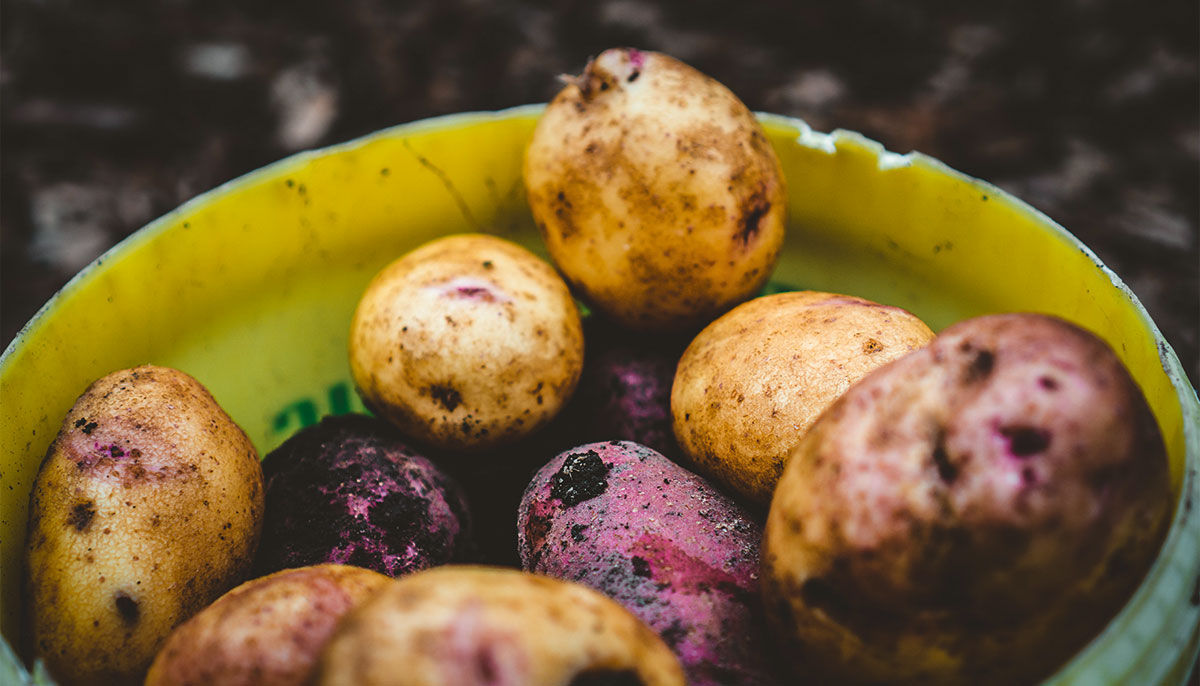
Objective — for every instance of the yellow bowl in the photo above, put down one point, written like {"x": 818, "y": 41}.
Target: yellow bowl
{"x": 250, "y": 288}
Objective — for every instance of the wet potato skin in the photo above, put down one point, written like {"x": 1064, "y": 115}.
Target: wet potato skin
{"x": 656, "y": 191}
{"x": 971, "y": 513}
{"x": 752, "y": 382}
{"x": 266, "y": 632}
{"x": 148, "y": 507}
{"x": 490, "y": 626}
{"x": 468, "y": 342}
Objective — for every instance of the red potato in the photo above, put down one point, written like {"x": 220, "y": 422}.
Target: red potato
{"x": 266, "y": 632}
{"x": 972, "y": 513}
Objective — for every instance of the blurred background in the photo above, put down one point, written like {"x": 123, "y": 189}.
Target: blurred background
{"x": 111, "y": 114}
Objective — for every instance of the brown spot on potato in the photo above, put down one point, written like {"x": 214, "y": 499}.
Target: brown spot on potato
{"x": 819, "y": 594}
{"x": 872, "y": 346}
{"x": 980, "y": 367}
{"x": 755, "y": 209}
{"x": 946, "y": 469}
{"x": 487, "y": 668}
{"x": 127, "y": 607}
{"x": 84, "y": 425}
{"x": 583, "y": 476}
{"x": 674, "y": 633}
{"x": 1025, "y": 441}
{"x": 81, "y": 515}
{"x": 640, "y": 566}
{"x": 566, "y": 223}
{"x": 536, "y": 529}
{"x": 446, "y": 396}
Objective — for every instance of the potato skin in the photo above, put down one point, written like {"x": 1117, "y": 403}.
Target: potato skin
{"x": 625, "y": 390}
{"x": 626, "y": 521}
{"x": 147, "y": 507}
{"x": 489, "y": 626}
{"x": 352, "y": 490}
{"x": 266, "y": 632}
{"x": 466, "y": 343}
{"x": 656, "y": 191}
{"x": 971, "y": 513}
{"x": 752, "y": 382}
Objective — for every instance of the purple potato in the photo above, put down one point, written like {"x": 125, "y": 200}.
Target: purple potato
{"x": 625, "y": 520}
{"x": 351, "y": 490}
{"x": 625, "y": 391}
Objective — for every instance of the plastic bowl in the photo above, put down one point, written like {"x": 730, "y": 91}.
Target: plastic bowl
{"x": 250, "y": 288}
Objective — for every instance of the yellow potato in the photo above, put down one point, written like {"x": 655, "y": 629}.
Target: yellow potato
{"x": 656, "y": 191}
{"x": 752, "y": 382}
{"x": 147, "y": 507}
{"x": 467, "y": 342}
{"x": 481, "y": 626}
{"x": 266, "y": 632}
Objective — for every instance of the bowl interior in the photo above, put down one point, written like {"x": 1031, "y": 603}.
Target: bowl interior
{"x": 250, "y": 288}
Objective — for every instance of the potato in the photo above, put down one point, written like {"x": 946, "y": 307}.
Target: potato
{"x": 467, "y": 342}
{"x": 753, "y": 381}
{"x": 682, "y": 557}
{"x": 488, "y": 626}
{"x": 147, "y": 507}
{"x": 351, "y": 490}
{"x": 972, "y": 513}
{"x": 625, "y": 391}
{"x": 266, "y": 632}
{"x": 656, "y": 191}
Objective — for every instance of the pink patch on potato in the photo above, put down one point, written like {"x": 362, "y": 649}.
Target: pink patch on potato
{"x": 470, "y": 288}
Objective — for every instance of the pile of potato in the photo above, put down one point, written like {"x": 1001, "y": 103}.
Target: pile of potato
{"x": 970, "y": 507}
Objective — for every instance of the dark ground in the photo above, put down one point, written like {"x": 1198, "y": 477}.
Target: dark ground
{"x": 114, "y": 113}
